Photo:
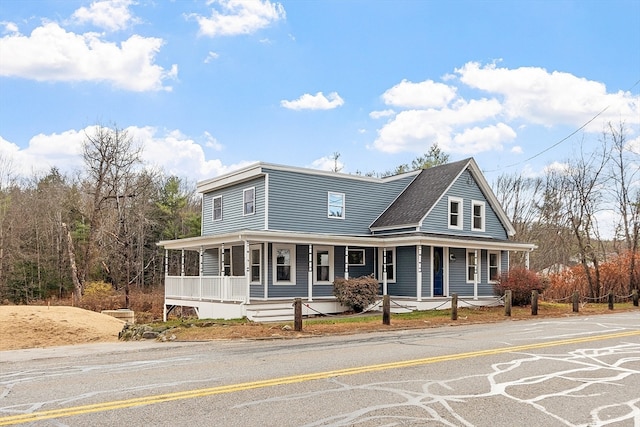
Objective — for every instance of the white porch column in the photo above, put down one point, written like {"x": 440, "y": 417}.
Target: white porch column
{"x": 182, "y": 263}
{"x": 384, "y": 271}
{"x": 310, "y": 274}
{"x": 222, "y": 260}
{"x": 526, "y": 260}
{"x": 475, "y": 274}
{"x": 200, "y": 272}
{"x": 265, "y": 270}
{"x": 419, "y": 273}
{"x": 166, "y": 263}
{"x": 247, "y": 269}
{"x": 346, "y": 263}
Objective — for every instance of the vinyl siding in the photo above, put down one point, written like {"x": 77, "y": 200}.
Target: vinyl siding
{"x": 466, "y": 188}
{"x": 298, "y": 202}
{"x": 458, "y": 273}
{"x": 359, "y": 270}
{"x": 232, "y": 209}
{"x": 297, "y": 290}
{"x": 405, "y": 284}
{"x": 427, "y": 271}
{"x": 210, "y": 263}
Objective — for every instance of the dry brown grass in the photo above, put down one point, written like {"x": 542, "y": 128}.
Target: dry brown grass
{"x": 190, "y": 330}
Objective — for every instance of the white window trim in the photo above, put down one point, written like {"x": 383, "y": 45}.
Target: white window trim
{"x": 364, "y": 259}
{"x": 244, "y": 201}
{"x": 478, "y": 266}
{"x": 213, "y": 210}
{"x": 460, "y": 202}
{"x": 317, "y": 249}
{"x": 292, "y": 251}
{"x": 251, "y": 249}
{"x": 393, "y": 262}
{"x": 482, "y": 205}
{"x": 489, "y": 253}
{"x": 344, "y": 202}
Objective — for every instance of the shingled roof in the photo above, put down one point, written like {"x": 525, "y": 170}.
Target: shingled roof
{"x": 420, "y": 196}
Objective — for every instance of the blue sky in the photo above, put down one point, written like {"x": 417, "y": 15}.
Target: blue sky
{"x": 210, "y": 86}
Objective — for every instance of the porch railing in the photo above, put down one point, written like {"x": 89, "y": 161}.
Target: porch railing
{"x": 219, "y": 288}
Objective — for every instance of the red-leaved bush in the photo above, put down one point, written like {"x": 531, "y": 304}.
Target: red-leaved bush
{"x": 357, "y": 293}
{"x": 521, "y": 282}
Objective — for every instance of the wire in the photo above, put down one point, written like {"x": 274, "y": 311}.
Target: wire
{"x": 562, "y": 140}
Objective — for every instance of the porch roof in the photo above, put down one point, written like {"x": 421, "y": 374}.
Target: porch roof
{"x": 387, "y": 240}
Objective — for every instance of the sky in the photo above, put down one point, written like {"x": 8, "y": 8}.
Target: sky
{"x": 207, "y": 87}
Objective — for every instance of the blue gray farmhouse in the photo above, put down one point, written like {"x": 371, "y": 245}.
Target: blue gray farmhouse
{"x": 273, "y": 233}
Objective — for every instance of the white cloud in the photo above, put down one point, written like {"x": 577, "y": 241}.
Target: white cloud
{"x": 9, "y": 27}
{"x": 212, "y": 56}
{"x": 169, "y": 150}
{"x": 235, "y": 17}
{"x": 431, "y": 112}
{"x": 516, "y": 149}
{"x": 212, "y": 142}
{"x": 477, "y": 140}
{"x": 381, "y": 114}
{"x": 551, "y": 98}
{"x": 111, "y": 15}
{"x": 425, "y": 94}
{"x": 327, "y": 163}
{"x": 51, "y": 53}
{"x": 416, "y": 130}
{"x": 314, "y": 102}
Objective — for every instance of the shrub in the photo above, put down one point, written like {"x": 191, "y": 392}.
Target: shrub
{"x": 520, "y": 282}
{"x": 357, "y": 293}
{"x": 99, "y": 296}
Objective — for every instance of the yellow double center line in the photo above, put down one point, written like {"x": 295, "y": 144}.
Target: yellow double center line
{"x": 232, "y": 388}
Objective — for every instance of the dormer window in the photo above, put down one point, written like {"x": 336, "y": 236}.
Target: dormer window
{"x": 455, "y": 213}
{"x": 217, "y": 208}
{"x": 249, "y": 201}
{"x": 335, "y": 205}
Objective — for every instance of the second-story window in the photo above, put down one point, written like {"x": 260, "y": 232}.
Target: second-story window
{"x": 335, "y": 207}
{"x": 477, "y": 209}
{"x": 249, "y": 201}
{"x": 455, "y": 213}
{"x": 217, "y": 208}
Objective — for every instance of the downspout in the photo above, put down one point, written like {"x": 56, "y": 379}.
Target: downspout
{"x": 310, "y": 275}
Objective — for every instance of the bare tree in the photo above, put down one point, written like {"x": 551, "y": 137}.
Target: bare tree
{"x": 624, "y": 171}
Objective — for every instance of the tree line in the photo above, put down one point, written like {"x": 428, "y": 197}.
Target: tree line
{"x": 60, "y": 232}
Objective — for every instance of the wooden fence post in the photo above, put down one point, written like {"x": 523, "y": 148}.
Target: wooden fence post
{"x": 297, "y": 314}
{"x": 611, "y": 297}
{"x": 507, "y": 302}
{"x": 386, "y": 310}
{"x": 576, "y": 301}
{"x": 634, "y": 297}
{"x": 454, "y": 306}
{"x": 534, "y": 303}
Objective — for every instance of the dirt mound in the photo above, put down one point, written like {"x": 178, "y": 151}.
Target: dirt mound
{"x": 27, "y": 326}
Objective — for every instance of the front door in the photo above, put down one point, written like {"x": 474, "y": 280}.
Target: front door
{"x": 437, "y": 272}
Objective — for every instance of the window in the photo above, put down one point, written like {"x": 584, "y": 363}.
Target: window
{"x": 336, "y": 205}
{"x": 217, "y": 208}
{"x": 494, "y": 266}
{"x": 227, "y": 262}
{"x": 356, "y": 257}
{"x": 284, "y": 264}
{"x": 256, "y": 263}
{"x": 323, "y": 264}
{"x": 455, "y": 213}
{"x": 391, "y": 264}
{"x": 477, "y": 212}
{"x": 249, "y": 201}
{"x": 472, "y": 265}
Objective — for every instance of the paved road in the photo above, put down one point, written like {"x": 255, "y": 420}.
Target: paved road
{"x": 576, "y": 371}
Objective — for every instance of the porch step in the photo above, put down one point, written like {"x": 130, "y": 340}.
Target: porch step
{"x": 270, "y": 314}
{"x": 398, "y": 307}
